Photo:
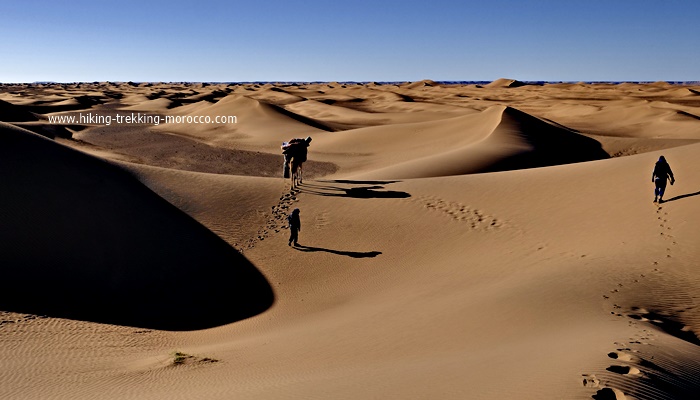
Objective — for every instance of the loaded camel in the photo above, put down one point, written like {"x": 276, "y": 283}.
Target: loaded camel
{"x": 295, "y": 152}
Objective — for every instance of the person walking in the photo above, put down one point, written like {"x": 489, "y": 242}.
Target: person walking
{"x": 662, "y": 173}
{"x": 294, "y": 227}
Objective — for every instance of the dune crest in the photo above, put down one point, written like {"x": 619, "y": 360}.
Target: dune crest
{"x": 258, "y": 124}
{"x": 505, "y": 83}
{"x": 15, "y": 113}
{"x": 516, "y": 141}
{"x": 421, "y": 84}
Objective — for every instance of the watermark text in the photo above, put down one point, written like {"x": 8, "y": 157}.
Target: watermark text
{"x": 139, "y": 118}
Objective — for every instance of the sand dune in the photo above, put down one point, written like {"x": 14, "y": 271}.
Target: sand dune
{"x": 13, "y": 113}
{"x": 20, "y": 116}
{"x": 639, "y": 119}
{"x": 421, "y": 84}
{"x": 156, "y": 105}
{"x": 275, "y": 95}
{"x": 342, "y": 116}
{"x": 505, "y": 83}
{"x": 82, "y": 102}
{"x": 84, "y": 240}
{"x": 49, "y": 130}
{"x": 497, "y": 139}
{"x": 261, "y": 125}
{"x": 457, "y": 242}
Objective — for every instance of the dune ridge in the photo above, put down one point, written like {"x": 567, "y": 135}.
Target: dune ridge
{"x": 13, "y": 113}
{"x": 505, "y": 139}
{"x": 260, "y": 124}
{"x": 505, "y": 83}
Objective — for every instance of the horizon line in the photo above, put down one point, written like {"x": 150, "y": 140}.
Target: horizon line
{"x": 291, "y": 82}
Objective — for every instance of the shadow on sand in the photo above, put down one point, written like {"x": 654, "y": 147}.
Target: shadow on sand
{"x": 85, "y": 240}
{"x": 376, "y": 191}
{"x": 352, "y": 182}
{"x": 683, "y": 196}
{"x": 353, "y": 254}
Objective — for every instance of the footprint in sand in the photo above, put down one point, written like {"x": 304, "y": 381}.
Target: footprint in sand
{"x": 609, "y": 394}
{"x": 621, "y": 355}
{"x": 590, "y": 380}
{"x": 475, "y": 218}
{"x": 276, "y": 221}
{"x": 624, "y": 370}
{"x": 321, "y": 220}
{"x": 623, "y": 348}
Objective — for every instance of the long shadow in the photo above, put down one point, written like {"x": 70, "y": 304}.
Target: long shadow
{"x": 670, "y": 326}
{"x": 352, "y": 182}
{"x": 672, "y": 385}
{"x": 353, "y": 254}
{"x": 683, "y": 196}
{"x": 365, "y": 192}
{"x": 87, "y": 241}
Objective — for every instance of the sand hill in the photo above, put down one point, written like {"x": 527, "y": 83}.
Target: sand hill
{"x": 505, "y": 83}
{"x": 14, "y": 113}
{"x": 457, "y": 242}
{"x": 104, "y": 248}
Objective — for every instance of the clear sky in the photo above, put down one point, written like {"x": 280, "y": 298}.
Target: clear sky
{"x": 350, "y": 40}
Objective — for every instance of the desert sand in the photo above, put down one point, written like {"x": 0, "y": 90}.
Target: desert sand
{"x": 458, "y": 241}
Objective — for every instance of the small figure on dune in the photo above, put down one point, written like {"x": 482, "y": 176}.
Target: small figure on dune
{"x": 294, "y": 227}
{"x": 295, "y": 153}
{"x": 662, "y": 173}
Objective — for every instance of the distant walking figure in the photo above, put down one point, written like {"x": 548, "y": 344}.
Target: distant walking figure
{"x": 662, "y": 172}
{"x": 294, "y": 227}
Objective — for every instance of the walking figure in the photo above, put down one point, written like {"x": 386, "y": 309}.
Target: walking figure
{"x": 294, "y": 227}
{"x": 662, "y": 172}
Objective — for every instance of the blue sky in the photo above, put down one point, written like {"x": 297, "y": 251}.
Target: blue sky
{"x": 607, "y": 40}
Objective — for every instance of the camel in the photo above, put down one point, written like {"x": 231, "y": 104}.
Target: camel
{"x": 295, "y": 153}
{"x": 297, "y": 172}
